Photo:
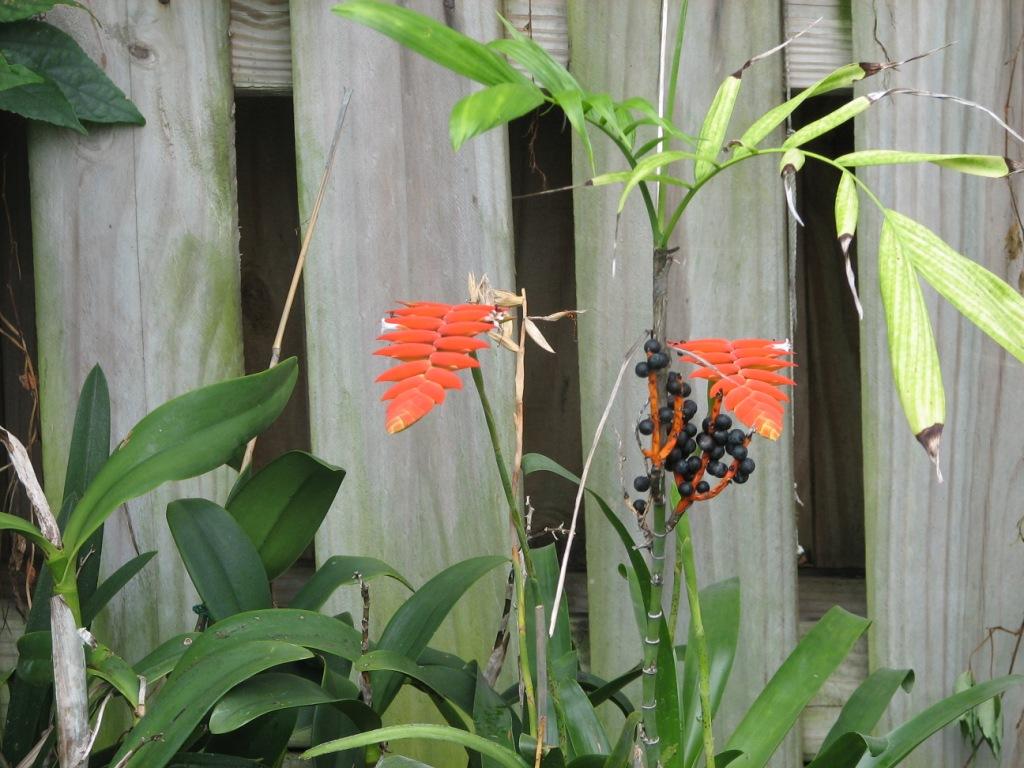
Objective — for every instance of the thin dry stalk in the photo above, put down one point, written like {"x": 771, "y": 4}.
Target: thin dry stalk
{"x": 300, "y": 262}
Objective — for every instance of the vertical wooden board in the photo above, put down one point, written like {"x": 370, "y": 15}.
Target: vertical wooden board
{"x": 613, "y": 286}
{"x": 404, "y": 218}
{"x": 734, "y": 281}
{"x": 944, "y": 561}
{"x": 136, "y": 255}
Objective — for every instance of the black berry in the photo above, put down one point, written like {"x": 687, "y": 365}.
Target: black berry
{"x": 640, "y": 505}
{"x": 717, "y": 452}
{"x": 716, "y": 469}
{"x": 642, "y": 370}
{"x": 642, "y": 483}
{"x": 674, "y": 456}
{"x": 646, "y": 427}
{"x": 736, "y": 436}
{"x": 690, "y": 430}
{"x": 739, "y": 478}
{"x": 705, "y": 442}
{"x": 703, "y": 487}
{"x": 686, "y": 389}
{"x": 651, "y": 346}
{"x": 693, "y": 464}
{"x": 689, "y": 409}
{"x": 722, "y": 422}
{"x": 665, "y": 414}
{"x": 685, "y": 490}
{"x": 706, "y": 425}
{"x": 747, "y": 466}
{"x": 657, "y": 361}
{"x": 674, "y": 387}
{"x": 689, "y": 446}
{"x": 738, "y": 452}
{"x": 720, "y": 438}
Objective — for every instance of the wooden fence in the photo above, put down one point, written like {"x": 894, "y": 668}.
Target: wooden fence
{"x": 135, "y": 244}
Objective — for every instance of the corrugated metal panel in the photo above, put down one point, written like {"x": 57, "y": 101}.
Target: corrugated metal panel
{"x": 261, "y": 47}
{"x": 545, "y": 21}
{"x": 825, "y": 47}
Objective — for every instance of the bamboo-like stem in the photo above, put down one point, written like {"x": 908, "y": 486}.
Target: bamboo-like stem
{"x": 704, "y": 667}
{"x": 652, "y": 638}
{"x": 300, "y": 262}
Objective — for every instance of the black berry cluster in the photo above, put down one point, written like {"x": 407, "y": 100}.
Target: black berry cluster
{"x": 716, "y": 449}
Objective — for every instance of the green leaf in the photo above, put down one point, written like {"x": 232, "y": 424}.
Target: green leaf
{"x": 491, "y": 107}
{"x": 666, "y": 686}
{"x": 847, "y": 751}
{"x": 182, "y": 438}
{"x": 832, "y": 120}
{"x": 720, "y": 611}
{"x": 600, "y": 691}
{"x": 844, "y": 77}
{"x": 546, "y": 569}
{"x": 912, "y": 350}
{"x": 847, "y": 210}
{"x": 264, "y": 739}
{"x": 257, "y": 696}
{"x": 778, "y": 706}
{"x": 576, "y": 715}
{"x": 162, "y": 659}
{"x": 29, "y": 531}
{"x": 571, "y": 103}
{"x": 55, "y": 55}
{"x": 339, "y": 571}
{"x": 623, "y": 750}
{"x": 16, "y": 10}
{"x": 501, "y": 755}
{"x": 15, "y": 75}
{"x": 905, "y": 738}
{"x": 868, "y": 703}
{"x": 41, "y": 101}
{"x": 219, "y": 558}
{"x": 990, "y": 166}
{"x": 433, "y": 40}
{"x": 35, "y": 658}
{"x": 643, "y": 171}
{"x": 525, "y": 51}
{"x": 305, "y": 628}
{"x": 112, "y": 585}
{"x": 208, "y": 760}
{"x": 187, "y": 696}
{"x": 457, "y": 686}
{"x": 716, "y": 123}
{"x": 416, "y": 620}
{"x": 105, "y": 664}
{"x": 281, "y": 507}
{"x": 492, "y": 718}
{"x": 397, "y": 761}
{"x": 983, "y": 298}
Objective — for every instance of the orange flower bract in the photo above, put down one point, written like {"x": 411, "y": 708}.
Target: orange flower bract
{"x": 431, "y": 341}
{"x": 743, "y": 371}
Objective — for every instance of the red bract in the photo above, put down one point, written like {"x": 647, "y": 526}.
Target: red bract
{"x": 432, "y": 341}
{"x": 744, "y": 372}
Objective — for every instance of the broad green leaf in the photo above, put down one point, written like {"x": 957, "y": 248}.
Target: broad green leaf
{"x": 600, "y": 110}
{"x": 501, "y": 755}
{"x": 209, "y": 760}
{"x": 623, "y": 750}
{"x": 41, "y": 101}
{"x": 830, "y": 121}
{"x": 398, "y": 761}
{"x": 416, "y": 620}
{"x": 186, "y": 697}
{"x": 982, "y": 297}
{"x": 220, "y": 559}
{"x": 868, "y": 703}
{"x": 16, "y": 10}
{"x": 643, "y": 171}
{"x": 905, "y": 738}
{"x": 492, "y": 718}
{"x": 912, "y": 350}
{"x": 112, "y": 585}
{"x": 433, "y": 40}
{"x": 304, "y": 628}
{"x": 600, "y": 691}
{"x": 55, "y": 55}
{"x": 716, "y": 123}
{"x": 847, "y": 750}
{"x": 720, "y": 612}
{"x": 571, "y": 102}
{"x": 651, "y": 117}
{"x": 35, "y": 658}
{"x": 991, "y": 166}
{"x": 339, "y": 571}
{"x": 162, "y": 659}
{"x": 330, "y": 723}
{"x": 15, "y": 75}
{"x": 29, "y": 531}
{"x": 29, "y": 706}
{"x": 546, "y": 569}
{"x": 103, "y": 663}
{"x": 489, "y": 108}
{"x": 792, "y": 161}
{"x": 264, "y": 739}
{"x": 457, "y": 686}
{"x": 260, "y": 695}
{"x": 847, "y": 210}
{"x": 282, "y": 506}
{"x": 182, "y": 438}
{"x": 547, "y": 72}
{"x": 576, "y": 715}
{"x": 844, "y": 77}
{"x": 666, "y": 685}
{"x": 778, "y": 706}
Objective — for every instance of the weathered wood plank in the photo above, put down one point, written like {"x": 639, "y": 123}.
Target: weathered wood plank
{"x": 261, "y": 46}
{"x": 404, "y": 218}
{"x": 731, "y": 280}
{"x": 944, "y": 561}
{"x": 543, "y": 20}
{"x": 824, "y": 48}
{"x": 136, "y": 255}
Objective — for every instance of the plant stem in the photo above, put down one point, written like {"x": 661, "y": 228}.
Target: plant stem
{"x": 704, "y": 678}
{"x": 652, "y": 638}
